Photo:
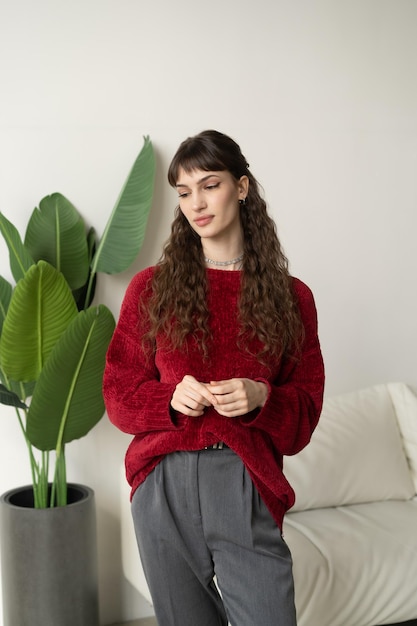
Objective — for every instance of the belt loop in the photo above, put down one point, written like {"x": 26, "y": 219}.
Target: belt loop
{"x": 219, "y": 445}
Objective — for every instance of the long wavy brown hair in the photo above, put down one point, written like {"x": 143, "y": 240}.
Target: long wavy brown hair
{"x": 268, "y": 309}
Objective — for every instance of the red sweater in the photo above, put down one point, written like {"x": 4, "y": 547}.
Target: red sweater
{"x": 138, "y": 391}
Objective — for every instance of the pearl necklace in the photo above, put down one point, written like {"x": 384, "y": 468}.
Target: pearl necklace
{"x": 238, "y": 259}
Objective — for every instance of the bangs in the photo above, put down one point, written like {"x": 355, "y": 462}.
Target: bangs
{"x": 194, "y": 157}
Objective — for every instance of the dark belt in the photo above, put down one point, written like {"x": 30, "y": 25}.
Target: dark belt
{"x": 216, "y": 446}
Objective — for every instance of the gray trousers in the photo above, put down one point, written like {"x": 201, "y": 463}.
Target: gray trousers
{"x": 196, "y": 516}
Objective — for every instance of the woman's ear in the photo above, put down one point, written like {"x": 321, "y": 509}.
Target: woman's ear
{"x": 243, "y": 185}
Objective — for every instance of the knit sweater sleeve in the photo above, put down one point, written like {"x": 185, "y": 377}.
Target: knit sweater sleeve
{"x": 294, "y": 401}
{"x": 136, "y": 400}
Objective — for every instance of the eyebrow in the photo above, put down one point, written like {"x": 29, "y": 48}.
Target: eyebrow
{"x": 202, "y": 180}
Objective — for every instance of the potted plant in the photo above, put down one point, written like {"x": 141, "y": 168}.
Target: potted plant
{"x": 53, "y": 343}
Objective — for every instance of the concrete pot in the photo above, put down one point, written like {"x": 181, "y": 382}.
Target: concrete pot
{"x": 49, "y": 560}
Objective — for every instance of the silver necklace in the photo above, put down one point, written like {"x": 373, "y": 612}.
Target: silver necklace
{"x": 238, "y": 259}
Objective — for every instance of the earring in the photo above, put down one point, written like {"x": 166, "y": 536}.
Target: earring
{"x": 242, "y": 201}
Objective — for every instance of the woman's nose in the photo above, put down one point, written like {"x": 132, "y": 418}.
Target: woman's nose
{"x": 198, "y": 201}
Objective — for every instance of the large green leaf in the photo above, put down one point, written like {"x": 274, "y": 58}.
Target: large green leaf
{"x": 125, "y": 229}
{"x": 5, "y": 296}
{"x": 56, "y": 233}
{"x": 68, "y": 399}
{"x": 20, "y": 259}
{"x": 40, "y": 310}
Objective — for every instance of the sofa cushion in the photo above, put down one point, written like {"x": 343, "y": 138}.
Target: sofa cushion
{"x": 355, "y": 564}
{"x": 356, "y": 454}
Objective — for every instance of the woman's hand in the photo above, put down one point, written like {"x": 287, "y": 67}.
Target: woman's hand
{"x": 192, "y": 397}
{"x": 238, "y": 396}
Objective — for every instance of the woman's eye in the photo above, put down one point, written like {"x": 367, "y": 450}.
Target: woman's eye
{"x": 183, "y": 195}
{"x": 212, "y": 186}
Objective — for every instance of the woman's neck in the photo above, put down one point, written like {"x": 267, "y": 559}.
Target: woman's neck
{"x": 223, "y": 255}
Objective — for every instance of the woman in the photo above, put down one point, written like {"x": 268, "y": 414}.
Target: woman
{"x": 215, "y": 368}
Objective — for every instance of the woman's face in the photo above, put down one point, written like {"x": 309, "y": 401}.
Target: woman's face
{"x": 210, "y": 202}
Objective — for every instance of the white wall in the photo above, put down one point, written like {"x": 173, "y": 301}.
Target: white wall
{"x": 322, "y": 97}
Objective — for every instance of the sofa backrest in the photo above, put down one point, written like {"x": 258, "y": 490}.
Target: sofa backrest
{"x": 364, "y": 449}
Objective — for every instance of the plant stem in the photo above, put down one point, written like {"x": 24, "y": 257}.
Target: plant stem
{"x": 59, "y": 484}
{"x": 34, "y": 467}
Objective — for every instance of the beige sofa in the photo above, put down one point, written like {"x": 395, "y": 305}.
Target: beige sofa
{"x": 353, "y": 529}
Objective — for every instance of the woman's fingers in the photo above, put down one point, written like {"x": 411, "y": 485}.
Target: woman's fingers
{"x": 191, "y": 397}
{"x": 198, "y": 391}
{"x": 238, "y": 396}
{"x": 230, "y": 398}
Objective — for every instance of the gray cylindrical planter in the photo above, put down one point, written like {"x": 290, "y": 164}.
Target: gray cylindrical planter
{"x": 49, "y": 560}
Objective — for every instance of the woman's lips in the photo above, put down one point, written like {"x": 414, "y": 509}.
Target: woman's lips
{"x": 204, "y": 220}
